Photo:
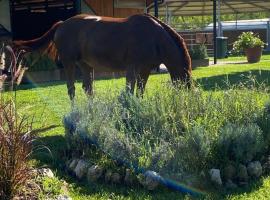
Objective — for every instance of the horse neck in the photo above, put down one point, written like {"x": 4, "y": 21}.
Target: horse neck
{"x": 177, "y": 69}
{"x": 174, "y": 61}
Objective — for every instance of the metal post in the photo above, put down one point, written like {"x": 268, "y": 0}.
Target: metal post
{"x": 156, "y": 15}
{"x": 167, "y": 14}
{"x": 219, "y": 20}
{"x": 156, "y": 8}
{"x": 215, "y": 29}
{"x": 268, "y": 36}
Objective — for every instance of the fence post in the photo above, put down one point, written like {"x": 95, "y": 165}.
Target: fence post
{"x": 268, "y": 35}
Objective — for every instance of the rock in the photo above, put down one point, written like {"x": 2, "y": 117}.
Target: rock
{"x": 73, "y": 164}
{"x": 151, "y": 180}
{"x": 129, "y": 177}
{"x": 108, "y": 176}
{"x": 215, "y": 176}
{"x": 254, "y": 169}
{"x": 266, "y": 167}
{"x": 46, "y": 172}
{"x": 94, "y": 173}
{"x": 229, "y": 172}
{"x": 81, "y": 169}
{"x": 63, "y": 197}
{"x": 230, "y": 185}
{"x": 116, "y": 178}
{"x": 242, "y": 173}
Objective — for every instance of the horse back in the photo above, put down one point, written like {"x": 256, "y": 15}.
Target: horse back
{"x": 110, "y": 41}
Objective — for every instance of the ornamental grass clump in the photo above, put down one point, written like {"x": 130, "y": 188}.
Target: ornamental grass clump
{"x": 174, "y": 131}
{"x": 15, "y": 148}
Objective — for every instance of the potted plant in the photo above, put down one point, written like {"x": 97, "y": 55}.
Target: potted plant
{"x": 199, "y": 56}
{"x": 251, "y": 44}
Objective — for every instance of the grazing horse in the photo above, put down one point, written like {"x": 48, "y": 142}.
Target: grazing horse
{"x": 136, "y": 45}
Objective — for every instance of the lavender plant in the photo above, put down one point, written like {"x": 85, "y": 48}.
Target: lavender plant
{"x": 172, "y": 132}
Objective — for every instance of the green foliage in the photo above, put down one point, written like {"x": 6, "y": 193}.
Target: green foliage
{"x": 37, "y": 62}
{"x": 164, "y": 130}
{"x": 264, "y": 123}
{"x": 200, "y": 22}
{"x": 247, "y": 40}
{"x": 239, "y": 143}
{"x": 198, "y": 52}
{"x": 49, "y": 102}
{"x": 51, "y": 188}
{"x": 15, "y": 148}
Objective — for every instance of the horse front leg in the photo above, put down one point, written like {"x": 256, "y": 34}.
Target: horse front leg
{"x": 141, "y": 81}
{"x": 88, "y": 78}
{"x": 130, "y": 80}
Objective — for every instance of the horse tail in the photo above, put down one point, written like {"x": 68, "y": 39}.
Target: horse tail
{"x": 43, "y": 44}
{"x": 178, "y": 40}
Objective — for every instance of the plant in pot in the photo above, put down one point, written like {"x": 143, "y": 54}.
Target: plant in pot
{"x": 199, "y": 56}
{"x": 251, "y": 44}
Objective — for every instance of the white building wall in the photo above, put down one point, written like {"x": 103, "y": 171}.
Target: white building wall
{"x": 5, "y": 14}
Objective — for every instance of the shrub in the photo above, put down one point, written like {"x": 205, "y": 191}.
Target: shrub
{"x": 15, "y": 148}
{"x": 198, "y": 52}
{"x": 172, "y": 132}
{"x": 239, "y": 143}
{"x": 37, "y": 62}
{"x": 264, "y": 123}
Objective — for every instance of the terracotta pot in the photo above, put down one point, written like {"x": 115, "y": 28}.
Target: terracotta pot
{"x": 253, "y": 54}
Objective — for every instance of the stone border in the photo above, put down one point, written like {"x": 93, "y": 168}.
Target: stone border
{"x": 148, "y": 179}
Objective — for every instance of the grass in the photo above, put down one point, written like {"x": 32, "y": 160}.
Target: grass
{"x": 49, "y": 102}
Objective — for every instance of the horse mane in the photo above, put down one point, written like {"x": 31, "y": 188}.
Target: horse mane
{"x": 44, "y": 44}
{"x": 178, "y": 40}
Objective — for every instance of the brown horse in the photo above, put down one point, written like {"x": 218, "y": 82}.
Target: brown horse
{"x": 136, "y": 44}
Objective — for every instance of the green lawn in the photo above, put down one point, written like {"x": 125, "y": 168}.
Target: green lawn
{"x": 50, "y": 102}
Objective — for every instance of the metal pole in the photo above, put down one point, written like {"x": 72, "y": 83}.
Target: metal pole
{"x": 156, "y": 15}
{"x": 167, "y": 14}
{"x": 215, "y": 29}
{"x": 268, "y": 35}
{"x": 156, "y": 8}
{"x": 219, "y": 20}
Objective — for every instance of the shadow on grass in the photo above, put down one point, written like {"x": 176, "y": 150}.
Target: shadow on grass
{"x": 224, "y": 81}
{"x": 32, "y": 85}
{"x": 51, "y": 152}
{"x": 250, "y": 78}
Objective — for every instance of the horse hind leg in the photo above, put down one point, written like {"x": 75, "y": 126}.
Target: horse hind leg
{"x": 70, "y": 69}
{"x": 88, "y": 78}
